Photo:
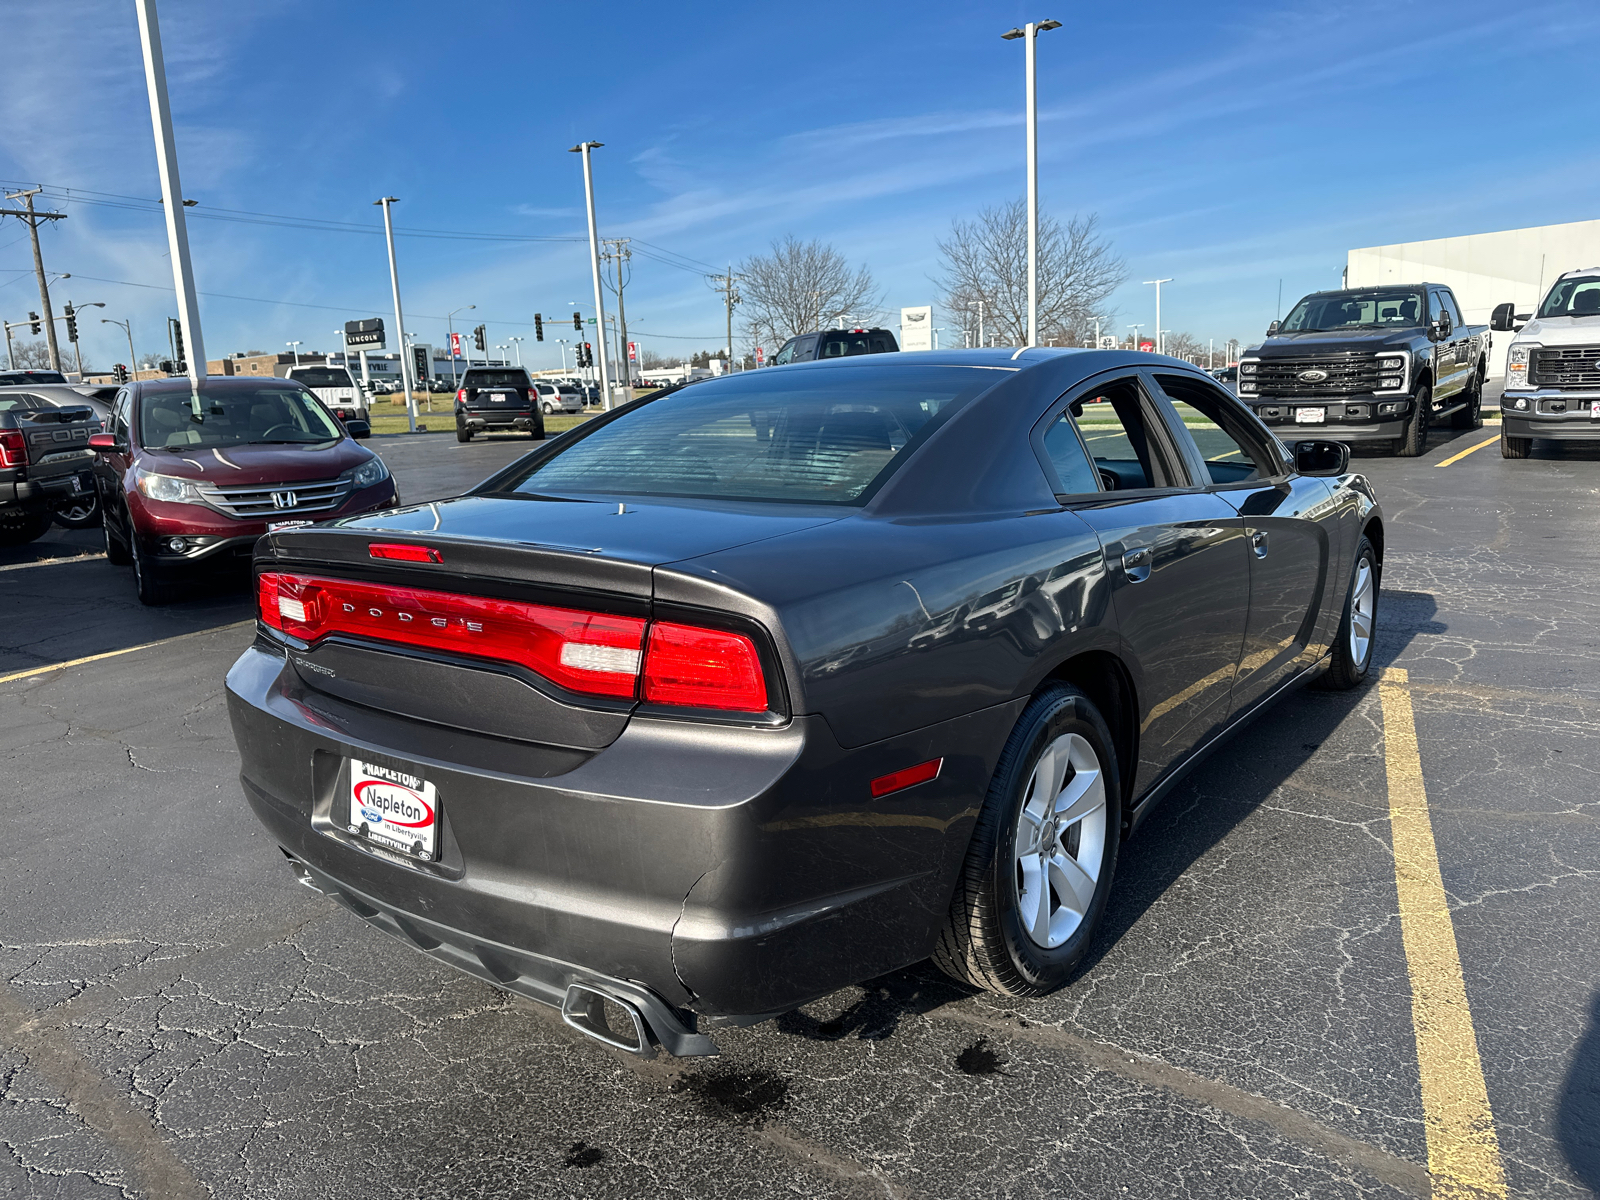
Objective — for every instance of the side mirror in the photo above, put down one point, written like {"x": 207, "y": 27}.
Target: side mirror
{"x": 1502, "y": 318}
{"x": 1442, "y": 326}
{"x": 1272, "y": 329}
{"x": 1321, "y": 458}
{"x": 104, "y": 441}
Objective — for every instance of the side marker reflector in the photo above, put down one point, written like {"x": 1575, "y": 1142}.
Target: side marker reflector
{"x": 899, "y": 780}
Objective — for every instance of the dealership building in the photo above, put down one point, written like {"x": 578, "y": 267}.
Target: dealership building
{"x": 1483, "y": 269}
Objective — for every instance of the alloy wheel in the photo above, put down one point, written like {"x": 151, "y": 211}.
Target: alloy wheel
{"x": 1363, "y": 598}
{"x": 1060, "y": 840}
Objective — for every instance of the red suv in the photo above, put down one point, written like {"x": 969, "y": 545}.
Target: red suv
{"x": 190, "y": 482}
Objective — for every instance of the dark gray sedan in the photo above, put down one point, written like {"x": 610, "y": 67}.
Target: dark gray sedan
{"x": 751, "y": 690}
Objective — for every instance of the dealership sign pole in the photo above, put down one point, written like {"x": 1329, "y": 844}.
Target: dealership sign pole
{"x": 399, "y": 321}
{"x": 155, "y": 76}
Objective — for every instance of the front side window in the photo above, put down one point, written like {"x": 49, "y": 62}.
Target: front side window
{"x": 1573, "y": 298}
{"x": 1378, "y": 308}
{"x": 234, "y": 416}
{"x": 1233, "y": 453}
{"x": 803, "y": 438}
{"x": 785, "y": 355}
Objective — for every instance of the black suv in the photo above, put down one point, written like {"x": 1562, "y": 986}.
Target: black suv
{"x": 835, "y": 343}
{"x": 493, "y": 398}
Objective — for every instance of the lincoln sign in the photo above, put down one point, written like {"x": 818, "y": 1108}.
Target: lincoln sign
{"x": 364, "y": 335}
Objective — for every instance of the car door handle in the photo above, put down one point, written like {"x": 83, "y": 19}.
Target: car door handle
{"x": 1258, "y": 543}
{"x": 1136, "y": 563}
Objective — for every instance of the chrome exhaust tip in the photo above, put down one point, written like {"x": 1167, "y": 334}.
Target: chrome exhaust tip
{"x": 605, "y": 1018}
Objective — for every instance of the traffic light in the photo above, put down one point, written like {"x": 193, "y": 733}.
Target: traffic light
{"x": 166, "y": 366}
{"x": 72, "y": 322}
{"x": 34, "y": 317}
{"x": 538, "y": 327}
{"x": 588, "y": 355}
{"x": 480, "y": 337}
{"x": 577, "y": 322}
{"x": 119, "y": 373}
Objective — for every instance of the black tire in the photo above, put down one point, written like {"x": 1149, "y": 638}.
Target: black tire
{"x": 1470, "y": 417}
{"x": 538, "y": 431}
{"x": 152, "y": 587}
{"x": 81, "y": 513}
{"x": 463, "y": 435}
{"x": 116, "y": 551}
{"x": 1351, "y": 660}
{"x": 985, "y": 942}
{"x": 20, "y": 528}
{"x": 1414, "y": 442}
{"x": 1514, "y": 447}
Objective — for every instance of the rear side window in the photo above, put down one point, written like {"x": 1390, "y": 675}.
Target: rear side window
{"x": 495, "y": 379}
{"x": 1062, "y": 446}
{"x": 766, "y": 436}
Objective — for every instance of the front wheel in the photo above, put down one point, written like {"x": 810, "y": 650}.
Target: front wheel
{"x": 148, "y": 579}
{"x": 117, "y": 554}
{"x": 1039, "y": 867}
{"x": 1514, "y": 447}
{"x": 1414, "y": 442}
{"x": 1352, "y": 648}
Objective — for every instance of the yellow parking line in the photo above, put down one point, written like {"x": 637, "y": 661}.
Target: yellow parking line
{"x": 78, "y": 662}
{"x": 1463, "y": 1149}
{"x": 1468, "y": 450}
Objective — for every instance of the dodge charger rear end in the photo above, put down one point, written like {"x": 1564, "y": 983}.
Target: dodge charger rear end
{"x": 730, "y": 698}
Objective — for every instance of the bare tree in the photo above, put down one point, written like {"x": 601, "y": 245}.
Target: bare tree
{"x": 986, "y": 261}
{"x": 1182, "y": 345}
{"x": 800, "y": 287}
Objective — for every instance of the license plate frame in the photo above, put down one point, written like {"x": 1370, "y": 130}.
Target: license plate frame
{"x": 393, "y": 808}
{"x": 1311, "y": 416}
{"x": 274, "y": 526}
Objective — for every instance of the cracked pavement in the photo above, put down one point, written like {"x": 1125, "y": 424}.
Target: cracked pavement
{"x": 179, "y": 1019}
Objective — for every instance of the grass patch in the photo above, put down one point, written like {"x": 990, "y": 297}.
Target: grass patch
{"x": 444, "y": 421}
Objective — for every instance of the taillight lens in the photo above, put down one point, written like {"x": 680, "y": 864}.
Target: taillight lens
{"x": 13, "y": 448}
{"x": 593, "y": 653}
{"x": 461, "y": 396}
{"x": 703, "y": 668}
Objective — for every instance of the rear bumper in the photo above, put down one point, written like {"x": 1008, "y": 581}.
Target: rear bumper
{"x": 733, "y": 872}
{"x": 38, "y": 495}
{"x": 523, "y": 420}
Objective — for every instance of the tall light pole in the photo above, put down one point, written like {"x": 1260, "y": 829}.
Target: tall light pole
{"x": 980, "y": 324}
{"x": 155, "y": 77}
{"x": 562, "y": 344}
{"x": 1161, "y": 342}
{"x": 399, "y": 320}
{"x": 584, "y": 148}
{"x": 1030, "y": 32}
{"x": 295, "y": 346}
{"x": 449, "y": 320}
{"x": 77, "y": 346}
{"x": 517, "y": 342}
{"x": 1136, "y": 328}
{"x": 127, "y": 328}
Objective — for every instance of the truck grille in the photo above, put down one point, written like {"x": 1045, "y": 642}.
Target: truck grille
{"x": 268, "y": 500}
{"x": 1346, "y": 375}
{"x": 1567, "y": 366}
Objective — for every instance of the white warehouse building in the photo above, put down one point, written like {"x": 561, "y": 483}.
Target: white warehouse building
{"x": 1483, "y": 269}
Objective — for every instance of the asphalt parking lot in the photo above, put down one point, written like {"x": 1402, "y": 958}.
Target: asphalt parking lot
{"x": 180, "y": 1019}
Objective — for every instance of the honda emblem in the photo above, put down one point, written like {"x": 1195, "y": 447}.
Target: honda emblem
{"x": 283, "y": 499}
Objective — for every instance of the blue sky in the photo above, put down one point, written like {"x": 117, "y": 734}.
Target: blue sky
{"x": 1227, "y": 145}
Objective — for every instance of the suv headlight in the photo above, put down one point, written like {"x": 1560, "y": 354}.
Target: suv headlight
{"x": 1517, "y": 359}
{"x": 168, "y": 488}
{"x": 368, "y": 473}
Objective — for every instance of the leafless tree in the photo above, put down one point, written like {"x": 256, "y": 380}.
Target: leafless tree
{"x": 1182, "y": 345}
{"x": 802, "y": 286}
{"x": 986, "y": 260}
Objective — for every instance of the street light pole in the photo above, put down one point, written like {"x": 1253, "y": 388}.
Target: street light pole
{"x": 1161, "y": 342}
{"x": 399, "y": 319}
{"x": 1030, "y": 33}
{"x": 584, "y": 148}
{"x": 295, "y": 346}
{"x": 450, "y": 323}
{"x": 155, "y": 75}
{"x": 517, "y": 342}
{"x": 127, "y": 328}
{"x": 1136, "y": 328}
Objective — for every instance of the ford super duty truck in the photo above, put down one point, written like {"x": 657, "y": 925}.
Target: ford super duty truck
{"x": 1370, "y": 365}
{"x": 45, "y": 460}
{"x": 1552, "y": 366}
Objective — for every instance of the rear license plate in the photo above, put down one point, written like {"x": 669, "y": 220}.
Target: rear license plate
{"x": 274, "y": 526}
{"x": 397, "y": 809}
{"x": 1310, "y": 416}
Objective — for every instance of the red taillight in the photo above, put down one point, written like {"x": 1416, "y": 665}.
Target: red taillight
{"x": 897, "y": 780}
{"x": 13, "y": 448}
{"x": 703, "y": 668}
{"x": 593, "y": 653}
{"x": 403, "y": 552}
{"x": 461, "y": 396}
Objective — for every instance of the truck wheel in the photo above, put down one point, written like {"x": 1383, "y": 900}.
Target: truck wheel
{"x": 147, "y": 578}
{"x": 1515, "y": 447}
{"x": 116, "y": 553}
{"x": 1352, "y": 648}
{"x": 1471, "y": 417}
{"x": 1414, "y": 442}
{"x": 19, "y": 528}
{"x": 1039, "y": 866}
{"x": 463, "y": 435}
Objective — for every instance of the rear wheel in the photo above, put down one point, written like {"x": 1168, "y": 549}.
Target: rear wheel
{"x": 1352, "y": 648}
{"x": 1470, "y": 417}
{"x": 152, "y": 585}
{"x": 463, "y": 435}
{"x": 1414, "y": 442}
{"x": 1514, "y": 447}
{"x": 1042, "y": 855}
{"x": 19, "y": 528}
{"x": 81, "y": 512}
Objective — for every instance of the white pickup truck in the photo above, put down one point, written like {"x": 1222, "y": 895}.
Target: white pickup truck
{"x": 340, "y": 394}
{"x": 1552, "y": 366}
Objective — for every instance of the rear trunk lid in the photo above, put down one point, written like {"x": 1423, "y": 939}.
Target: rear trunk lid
{"x": 57, "y": 439}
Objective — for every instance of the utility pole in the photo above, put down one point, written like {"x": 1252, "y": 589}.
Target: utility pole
{"x": 623, "y": 255}
{"x": 155, "y": 75}
{"x": 724, "y": 284}
{"x": 585, "y": 148}
{"x": 399, "y": 320}
{"x": 32, "y": 219}
{"x": 1161, "y": 341}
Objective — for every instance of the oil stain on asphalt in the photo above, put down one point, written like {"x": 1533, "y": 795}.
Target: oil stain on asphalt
{"x": 746, "y": 1097}
{"x": 979, "y": 1059}
{"x": 581, "y": 1154}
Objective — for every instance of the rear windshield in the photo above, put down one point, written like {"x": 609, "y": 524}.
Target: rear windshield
{"x": 234, "y": 416}
{"x": 495, "y": 379}
{"x": 13, "y": 377}
{"x": 323, "y": 377}
{"x": 805, "y": 438}
{"x": 1573, "y": 298}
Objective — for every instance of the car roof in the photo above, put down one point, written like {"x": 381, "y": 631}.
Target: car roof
{"x": 180, "y": 383}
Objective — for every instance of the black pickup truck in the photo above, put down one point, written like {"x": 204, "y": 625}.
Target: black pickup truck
{"x": 502, "y": 398}
{"x": 45, "y": 460}
{"x": 1370, "y": 365}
